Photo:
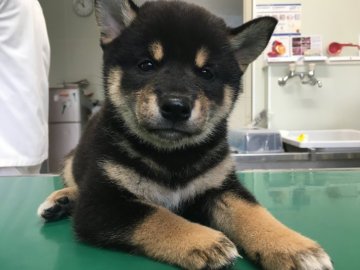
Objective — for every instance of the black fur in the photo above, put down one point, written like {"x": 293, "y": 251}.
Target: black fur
{"x": 106, "y": 213}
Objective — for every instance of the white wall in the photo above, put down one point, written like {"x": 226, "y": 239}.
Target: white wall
{"x": 337, "y": 104}
{"x": 230, "y": 10}
{"x": 75, "y": 50}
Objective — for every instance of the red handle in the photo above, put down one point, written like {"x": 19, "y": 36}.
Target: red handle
{"x": 335, "y": 47}
{"x": 349, "y": 45}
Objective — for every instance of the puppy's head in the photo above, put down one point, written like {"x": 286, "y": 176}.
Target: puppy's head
{"x": 172, "y": 70}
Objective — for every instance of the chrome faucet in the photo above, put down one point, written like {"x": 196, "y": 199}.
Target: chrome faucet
{"x": 310, "y": 75}
{"x": 282, "y": 81}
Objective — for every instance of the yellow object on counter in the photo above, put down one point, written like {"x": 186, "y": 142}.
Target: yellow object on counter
{"x": 302, "y": 137}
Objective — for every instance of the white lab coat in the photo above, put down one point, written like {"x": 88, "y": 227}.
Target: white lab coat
{"x": 24, "y": 69}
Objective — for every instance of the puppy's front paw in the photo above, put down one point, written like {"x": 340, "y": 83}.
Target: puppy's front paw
{"x": 313, "y": 259}
{"x": 173, "y": 239}
{"x": 297, "y": 256}
{"x": 58, "y": 205}
{"x": 217, "y": 253}
{"x": 51, "y": 210}
{"x": 265, "y": 239}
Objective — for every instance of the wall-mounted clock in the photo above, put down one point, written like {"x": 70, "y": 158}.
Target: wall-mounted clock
{"x": 83, "y": 8}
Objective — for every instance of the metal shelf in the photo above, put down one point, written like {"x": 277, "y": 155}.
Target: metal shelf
{"x": 300, "y": 60}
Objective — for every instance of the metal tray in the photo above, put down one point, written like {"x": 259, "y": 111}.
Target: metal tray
{"x": 338, "y": 138}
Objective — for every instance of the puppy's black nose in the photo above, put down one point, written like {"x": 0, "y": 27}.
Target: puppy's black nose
{"x": 175, "y": 109}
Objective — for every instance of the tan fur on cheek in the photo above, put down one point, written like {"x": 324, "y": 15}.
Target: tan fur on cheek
{"x": 114, "y": 87}
{"x": 129, "y": 106}
{"x": 220, "y": 112}
{"x": 147, "y": 109}
{"x": 196, "y": 111}
{"x": 121, "y": 102}
{"x": 200, "y": 110}
{"x": 201, "y": 57}
{"x": 223, "y": 110}
{"x": 228, "y": 102}
{"x": 157, "y": 51}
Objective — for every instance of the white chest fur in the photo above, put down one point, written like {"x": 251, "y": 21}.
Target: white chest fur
{"x": 148, "y": 190}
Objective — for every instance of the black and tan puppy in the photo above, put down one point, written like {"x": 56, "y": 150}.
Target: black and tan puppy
{"x": 153, "y": 173}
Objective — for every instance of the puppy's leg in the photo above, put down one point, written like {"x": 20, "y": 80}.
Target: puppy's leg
{"x": 61, "y": 202}
{"x": 265, "y": 239}
{"x": 154, "y": 232}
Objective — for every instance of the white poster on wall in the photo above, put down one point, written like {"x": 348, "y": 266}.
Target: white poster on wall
{"x": 288, "y": 15}
{"x": 306, "y": 45}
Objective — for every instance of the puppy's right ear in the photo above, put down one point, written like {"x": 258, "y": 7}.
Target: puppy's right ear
{"x": 113, "y": 16}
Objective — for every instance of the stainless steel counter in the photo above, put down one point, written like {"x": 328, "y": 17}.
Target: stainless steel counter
{"x": 299, "y": 160}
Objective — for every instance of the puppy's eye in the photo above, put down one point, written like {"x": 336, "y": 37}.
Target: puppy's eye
{"x": 146, "y": 65}
{"x": 206, "y": 73}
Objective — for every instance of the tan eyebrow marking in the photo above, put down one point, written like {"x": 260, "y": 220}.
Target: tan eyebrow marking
{"x": 201, "y": 57}
{"x": 157, "y": 50}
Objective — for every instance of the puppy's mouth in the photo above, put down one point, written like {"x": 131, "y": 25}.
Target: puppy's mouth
{"x": 170, "y": 133}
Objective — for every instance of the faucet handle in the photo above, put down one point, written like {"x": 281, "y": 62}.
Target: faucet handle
{"x": 312, "y": 66}
{"x": 292, "y": 67}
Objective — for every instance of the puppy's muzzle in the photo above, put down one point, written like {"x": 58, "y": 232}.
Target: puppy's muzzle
{"x": 175, "y": 109}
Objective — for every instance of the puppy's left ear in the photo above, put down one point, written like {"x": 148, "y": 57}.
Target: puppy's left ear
{"x": 113, "y": 16}
{"x": 251, "y": 38}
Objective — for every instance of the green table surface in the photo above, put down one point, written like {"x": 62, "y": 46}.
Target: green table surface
{"x": 324, "y": 205}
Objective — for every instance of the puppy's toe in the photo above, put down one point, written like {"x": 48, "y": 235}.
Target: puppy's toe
{"x": 221, "y": 254}
{"x": 313, "y": 259}
{"x": 51, "y": 210}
